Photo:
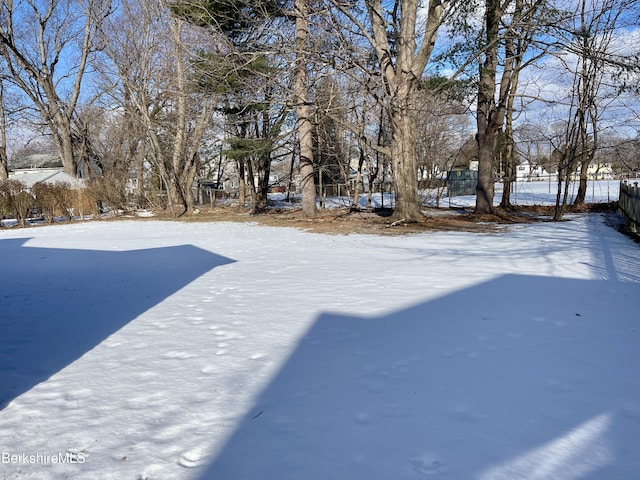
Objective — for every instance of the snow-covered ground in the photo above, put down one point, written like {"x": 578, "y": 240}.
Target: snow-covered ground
{"x": 544, "y": 193}
{"x": 165, "y": 350}
{"x": 523, "y": 193}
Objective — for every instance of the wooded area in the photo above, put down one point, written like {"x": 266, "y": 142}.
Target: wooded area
{"x": 159, "y": 104}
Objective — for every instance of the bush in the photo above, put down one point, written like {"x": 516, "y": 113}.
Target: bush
{"x": 15, "y": 199}
{"x": 53, "y": 199}
{"x": 108, "y": 190}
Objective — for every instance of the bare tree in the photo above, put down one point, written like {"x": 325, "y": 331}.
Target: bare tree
{"x": 247, "y": 71}
{"x": 442, "y": 126}
{"x": 254, "y": 119}
{"x": 155, "y": 56}
{"x": 502, "y": 21}
{"x": 303, "y": 111}
{"x": 47, "y": 45}
{"x": 4, "y": 161}
{"x": 519, "y": 40}
{"x": 587, "y": 38}
{"x": 402, "y": 36}
{"x": 330, "y": 150}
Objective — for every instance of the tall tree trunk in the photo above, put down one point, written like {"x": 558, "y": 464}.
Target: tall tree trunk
{"x": 488, "y": 118}
{"x": 304, "y": 127}
{"x": 514, "y": 55}
{"x": 581, "y": 193}
{"x": 496, "y": 104}
{"x": 403, "y": 154}
{"x": 559, "y": 207}
{"x": 566, "y": 167}
{"x": 355, "y": 204}
{"x": 510, "y": 152}
{"x": 399, "y": 40}
{"x": 242, "y": 184}
{"x": 140, "y": 160}
{"x": 505, "y": 203}
{"x": 291, "y": 170}
{"x": 263, "y": 172}
{"x": 263, "y": 164}
{"x": 485, "y": 189}
{"x": 180, "y": 139}
{"x": 251, "y": 183}
{"x": 4, "y": 161}
{"x": 63, "y": 138}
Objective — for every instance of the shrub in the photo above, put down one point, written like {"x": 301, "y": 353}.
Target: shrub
{"x": 53, "y": 199}
{"x": 108, "y": 190}
{"x": 16, "y": 199}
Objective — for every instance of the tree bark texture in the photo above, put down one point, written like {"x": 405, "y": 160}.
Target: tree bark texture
{"x": 303, "y": 111}
{"x": 400, "y": 82}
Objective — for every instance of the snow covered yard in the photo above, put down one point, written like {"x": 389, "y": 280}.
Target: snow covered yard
{"x": 159, "y": 350}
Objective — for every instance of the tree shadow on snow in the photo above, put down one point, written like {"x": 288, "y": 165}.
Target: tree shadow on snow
{"x": 519, "y": 377}
{"x": 57, "y": 304}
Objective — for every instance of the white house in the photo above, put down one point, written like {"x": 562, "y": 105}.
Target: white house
{"x": 527, "y": 172}
{"x": 45, "y": 167}
{"x": 31, "y": 176}
{"x": 596, "y": 171}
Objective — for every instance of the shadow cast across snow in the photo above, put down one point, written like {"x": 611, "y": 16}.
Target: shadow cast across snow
{"x": 58, "y": 304}
{"x": 519, "y": 377}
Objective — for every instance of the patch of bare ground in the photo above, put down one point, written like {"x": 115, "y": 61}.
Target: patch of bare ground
{"x": 345, "y": 221}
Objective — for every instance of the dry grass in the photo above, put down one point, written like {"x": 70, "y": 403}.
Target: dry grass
{"x": 344, "y": 221}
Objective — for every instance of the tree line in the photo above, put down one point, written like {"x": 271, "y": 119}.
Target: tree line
{"x": 145, "y": 98}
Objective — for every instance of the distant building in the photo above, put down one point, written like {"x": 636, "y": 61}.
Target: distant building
{"x": 528, "y": 172}
{"x": 596, "y": 171}
{"x": 45, "y": 168}
{"x": 31, "y": 176}
{"x": 39, "y": 160}
{"x": 86, "y": 168}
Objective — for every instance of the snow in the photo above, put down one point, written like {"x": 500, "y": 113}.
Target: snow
{"x": 167, "y": 350}
{"x": 523, "y": 193}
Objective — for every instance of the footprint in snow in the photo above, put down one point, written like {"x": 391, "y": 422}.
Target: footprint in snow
{"x": 78, "y": 394}
{"x": 192, "y": 458}
{"x": 463, "y": 413}
{"x": 363, "y": 418}
{"x": 176, "y": 356}
{"x": 427, "y": 464}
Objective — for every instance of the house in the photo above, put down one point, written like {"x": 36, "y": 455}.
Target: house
{"x": 31, "y": 176}
{"x": 596, "y": 171}
{"x": 47, "y": 167}
{"x": 527, "y": 172}
{"x": 42, "y": 167}
{"x": 39, "y": 160}
{"x": 42, "y": 170}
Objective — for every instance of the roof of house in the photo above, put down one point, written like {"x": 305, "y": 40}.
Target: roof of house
{"x": 32, "y": 176}
{"x": 40, "y": 160}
